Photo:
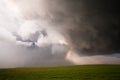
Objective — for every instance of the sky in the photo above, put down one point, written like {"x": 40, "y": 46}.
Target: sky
{"x": 59, "y": 32}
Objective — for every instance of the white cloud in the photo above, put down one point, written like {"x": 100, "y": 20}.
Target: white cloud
{"x": 73, "y": 57}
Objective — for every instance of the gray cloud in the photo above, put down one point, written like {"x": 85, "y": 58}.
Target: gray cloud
{"x": 40, "y": 32}
{"x": 85, "y": 24}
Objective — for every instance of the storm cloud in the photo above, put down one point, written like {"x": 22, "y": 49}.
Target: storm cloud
{"x": 41, "y": 32}
{"x": 89, "y": 26}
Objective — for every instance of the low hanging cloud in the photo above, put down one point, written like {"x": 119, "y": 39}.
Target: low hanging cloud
{"x": 73, "y": 57}
{"x": 41, "y": 32}
{"x": 84, "y": 24}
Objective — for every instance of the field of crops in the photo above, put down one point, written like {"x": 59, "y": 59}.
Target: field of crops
{"x": 83, "y": 72}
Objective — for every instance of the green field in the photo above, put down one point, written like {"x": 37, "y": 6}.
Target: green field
{"x": 84, "y": 72}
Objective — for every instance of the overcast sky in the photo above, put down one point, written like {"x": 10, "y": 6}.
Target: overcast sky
{"x": 59, "y": 32}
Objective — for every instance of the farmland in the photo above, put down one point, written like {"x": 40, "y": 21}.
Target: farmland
{"x": 82, "y": 72}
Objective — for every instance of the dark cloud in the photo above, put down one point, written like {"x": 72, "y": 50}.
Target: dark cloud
{"x": 33, "y": 38}
{"x": 54, "y": 32}
{"x": 101, "y": 28}
{"x": 92, "y": 26}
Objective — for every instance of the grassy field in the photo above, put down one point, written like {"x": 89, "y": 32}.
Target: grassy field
{"x": 84, "y": 72}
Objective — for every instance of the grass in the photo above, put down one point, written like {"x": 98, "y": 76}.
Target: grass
{"x": 84, "y": 72}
